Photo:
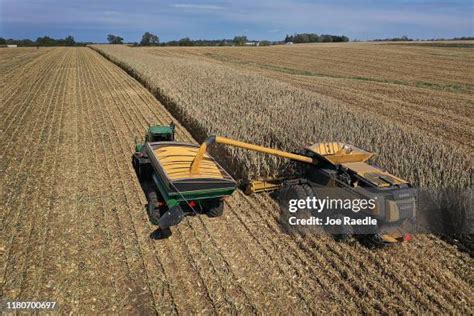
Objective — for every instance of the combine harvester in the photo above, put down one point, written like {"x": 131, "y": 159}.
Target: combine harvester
{"x": 182, "y": 179}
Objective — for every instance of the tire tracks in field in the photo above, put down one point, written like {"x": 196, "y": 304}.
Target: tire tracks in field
{"x": 121, "y": 201}
{"x": 17, "y": 245}
{"x": 17, "y": 80}
{"x": 49, "y": 278}
{"x": 34, "y": 245}
{"x": 27, "y": 82}
{"x": 17, "y": 145}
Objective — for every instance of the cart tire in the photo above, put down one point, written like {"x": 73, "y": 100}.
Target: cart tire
{"x": 138, "y": 169}
{"x": 143, "y": 174}
{"x": 135, "y": 165}
{"x": 153, "y": 211}
{"x": 216, "y": 210}
{"x": 164, "y": 232}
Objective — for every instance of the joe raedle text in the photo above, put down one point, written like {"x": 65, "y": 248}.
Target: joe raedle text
{"x": 329, "y": 221}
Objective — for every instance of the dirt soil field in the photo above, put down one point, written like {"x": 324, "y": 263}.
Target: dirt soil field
{"x": 75, "y": 231}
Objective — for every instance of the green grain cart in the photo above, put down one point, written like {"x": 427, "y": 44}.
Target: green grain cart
{"x": 163, "y": 167}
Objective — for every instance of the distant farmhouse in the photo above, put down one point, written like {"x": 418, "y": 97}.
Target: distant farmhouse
{"x": 8, "y": 46}
{"x": 252, "y": 43}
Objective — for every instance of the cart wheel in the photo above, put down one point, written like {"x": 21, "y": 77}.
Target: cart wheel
{"x": 216, "y": 209}
{"x": 161, "y": 233}
{"x": 135, "y": 164}
{"x": 143, "y": 175}
{"x": 138, "y": 169}
{"x": 139, "y": 173}
{"x": 153, "y": 211}
{"x": 164, "y": 232}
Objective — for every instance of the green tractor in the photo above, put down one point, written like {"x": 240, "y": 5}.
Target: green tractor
{"x": 157, "y": 133}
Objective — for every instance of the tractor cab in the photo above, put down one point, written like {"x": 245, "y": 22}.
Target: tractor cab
{"x": 158, "y": 133}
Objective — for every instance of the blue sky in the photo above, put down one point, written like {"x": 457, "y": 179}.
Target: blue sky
{"x": 214, "y": 19}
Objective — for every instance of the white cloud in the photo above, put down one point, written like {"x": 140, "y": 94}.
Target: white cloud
{"x": 197, "y": 6}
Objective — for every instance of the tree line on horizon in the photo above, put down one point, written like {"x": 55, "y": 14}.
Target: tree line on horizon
{"x": 405, "y": 38}
{"x": 44, "y": 41}
{"x": 150, "y": 39}
{"x": 315, "y": 38}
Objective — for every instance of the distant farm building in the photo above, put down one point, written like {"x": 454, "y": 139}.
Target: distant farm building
{"x": 253, "y": 43}
{"x": 9, "y": 46}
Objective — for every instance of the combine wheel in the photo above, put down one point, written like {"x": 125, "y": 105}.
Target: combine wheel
{"x": 372, "y": 241}
{"x": 216, "y": 209}
{"x": 292, "y": 192}
{"x": 295, "y": 191}
{"x": 298, "y": 191}
{"x": 340, "y": 232}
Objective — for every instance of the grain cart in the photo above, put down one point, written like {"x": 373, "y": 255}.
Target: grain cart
{"x": 163, "y": 167}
